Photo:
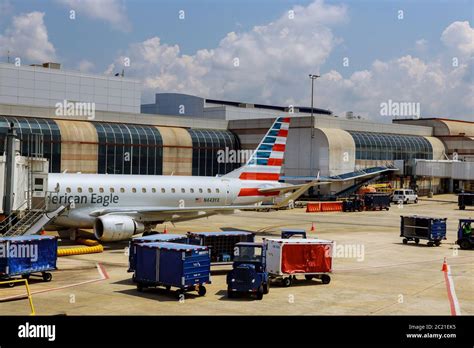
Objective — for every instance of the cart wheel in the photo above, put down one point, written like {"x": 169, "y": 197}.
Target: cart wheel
{"x": 430, "y": 244}
{"x": 140, "y": 287}
{"x": 134, "y": 279}
{"x": 11, "y": 285}
{"x": 260, "y": 293}
{"x": 202, "y": 290}
{"x": 266, "y": 287}
{"x": 325, "y": 279}
{"x": 437, "y": 243}
{"x": 168, "y": 287}
{"x": 26, "y": 276}
{"x": 465, "y": 244}
{"x": 230, "y": 293}
{"x": 309, "y": 277}
{"x": 462, "y": 207}
{"x": 405, "y": 241}
{"x": 286, "y": 282}
{"x": 417, "y": 240}
{"x": 47, "y": 276}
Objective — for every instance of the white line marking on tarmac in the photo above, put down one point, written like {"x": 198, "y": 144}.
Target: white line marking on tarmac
{"x": 103, "y": 276}
{"x": 453, "y": 299}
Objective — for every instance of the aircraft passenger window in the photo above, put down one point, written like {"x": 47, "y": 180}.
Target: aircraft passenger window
{"x": 191, "y": 190}
{"x": 101, "y": 190}
{"x": 91, "y": 189}
{"x": 163, "y": 190}
{"x": 144, "y": 190}
{"x": 200, "y": 190}
{"x": 183, "y": 190}
{"x": 153, "y": 190}
{"x": 217, "y": 190}
{"x": 79, "y": 189}
{"x": 112, "y": 190}
{"x": 173, "y": 190}
{"x": 122, "y": 190}
{"x": 68, "y": 190}
{"x": 209, "y": 190}
{"x": 134, "y": 190}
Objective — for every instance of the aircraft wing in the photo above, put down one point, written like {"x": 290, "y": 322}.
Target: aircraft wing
{"x": 285, "y": 189}
{"x": 172, "y": 210}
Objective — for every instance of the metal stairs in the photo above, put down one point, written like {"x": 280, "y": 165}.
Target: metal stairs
{"x": 30, "y": 223}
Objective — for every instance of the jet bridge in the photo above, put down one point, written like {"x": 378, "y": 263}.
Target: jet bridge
{"x": 23, "y": 186}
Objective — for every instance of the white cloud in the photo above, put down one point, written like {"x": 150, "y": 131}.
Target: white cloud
{"x": 262, "y": 64}
{"x": 111, "y": 11}
{"x": 274, "y": 61}
{"x": 85, "y": 66}
{"x": 459, "y": 36}
{"x": 27, "y": 37}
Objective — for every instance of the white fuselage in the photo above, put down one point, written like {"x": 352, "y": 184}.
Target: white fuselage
{"x": 91, "y": 192}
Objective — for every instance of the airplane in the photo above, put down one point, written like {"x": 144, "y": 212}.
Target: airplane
{"x": 117, "y": 207}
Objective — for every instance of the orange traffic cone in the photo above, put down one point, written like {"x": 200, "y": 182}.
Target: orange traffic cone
{"x": 445, "y": 266}
{"x": 165, "y": 230}
{"x": 313, "y": 228}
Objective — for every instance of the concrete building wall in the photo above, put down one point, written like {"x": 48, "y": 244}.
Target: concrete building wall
{"x": 38, "y": 86}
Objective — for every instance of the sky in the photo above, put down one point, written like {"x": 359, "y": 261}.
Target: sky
{"x": 368, "y": 53}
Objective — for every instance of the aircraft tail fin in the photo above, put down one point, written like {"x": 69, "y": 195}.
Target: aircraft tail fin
{"x": 267, "y": 160}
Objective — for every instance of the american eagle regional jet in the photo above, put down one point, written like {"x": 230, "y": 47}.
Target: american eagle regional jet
{"x": 120, "y": 206}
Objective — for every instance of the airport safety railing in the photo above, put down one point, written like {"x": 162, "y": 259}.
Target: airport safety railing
{"x": 314, "y": 207}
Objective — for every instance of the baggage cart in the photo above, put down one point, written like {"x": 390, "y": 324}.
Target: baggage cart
{"x": 289, "y": 233}
{"x": 221, "y": 244}
{"x": 159, "y": 237}
{"x": 182, "y": 266}
{"x": 414, "y": 228}
{"x": 377, "y": 201}
{"x": 465, "y": 199}
{"x": 287, "y": 258}
{"x": 26, "y": 256}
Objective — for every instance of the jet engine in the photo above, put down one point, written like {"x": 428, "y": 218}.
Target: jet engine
{"x": 112, "y": 228}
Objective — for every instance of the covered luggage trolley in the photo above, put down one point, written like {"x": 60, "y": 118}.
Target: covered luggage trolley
{"x": 287, "y": 258}
{"x": 414, "y": 228}
{"x": 183, "y": 266}
{"x": 132, "y": 250}
{"x": 27, "y": 256}
{"x": 221, "y": 244}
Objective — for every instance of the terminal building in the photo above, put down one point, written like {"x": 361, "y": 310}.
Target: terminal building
{"x": 186, "y": 135}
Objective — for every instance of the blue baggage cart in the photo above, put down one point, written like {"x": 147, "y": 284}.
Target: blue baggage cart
{"x": 221, "y": 244}
{"x": 183, "y": 266}
{"x": 28, "y": 255}
{"x": 159, "y": 237}
{"x": 414, "y": 228}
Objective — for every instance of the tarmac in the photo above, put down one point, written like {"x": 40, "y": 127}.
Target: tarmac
{"x": 374, "y": 272}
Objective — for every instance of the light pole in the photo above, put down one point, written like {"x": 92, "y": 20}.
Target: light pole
{"x": 312, "y": 77}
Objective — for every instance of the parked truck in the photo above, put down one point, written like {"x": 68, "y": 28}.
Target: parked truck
{"x": 248, "y": 274}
